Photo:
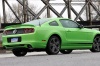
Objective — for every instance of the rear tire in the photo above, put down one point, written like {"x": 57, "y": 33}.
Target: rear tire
{"x": 96, "y": 44}
{"x": 53, "y": 45}
{"x": 19, "y": 52}
{"x": 65, "y": 51}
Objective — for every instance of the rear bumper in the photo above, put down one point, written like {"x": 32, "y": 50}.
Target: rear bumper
{"x": 26, "y": 40}
{"x": 24, "y": 45}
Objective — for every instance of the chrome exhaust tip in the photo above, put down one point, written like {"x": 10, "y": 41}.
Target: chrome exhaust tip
{"x": 29, "y": 47}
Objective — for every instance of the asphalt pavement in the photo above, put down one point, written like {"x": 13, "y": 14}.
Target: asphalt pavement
{"x": 76, "y": 58}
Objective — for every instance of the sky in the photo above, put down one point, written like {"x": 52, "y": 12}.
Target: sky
{"x": 0, "y": 6}
{"x": 14, "y": 1}
{"x": 10, "y": 1}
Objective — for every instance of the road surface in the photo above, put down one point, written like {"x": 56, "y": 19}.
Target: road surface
{"x": 76, "y": 58}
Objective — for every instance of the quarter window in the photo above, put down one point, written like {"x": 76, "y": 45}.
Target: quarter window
{"x": 54, "y": 23}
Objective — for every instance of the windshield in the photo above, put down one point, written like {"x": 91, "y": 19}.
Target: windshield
{"x": 38, "y": 22}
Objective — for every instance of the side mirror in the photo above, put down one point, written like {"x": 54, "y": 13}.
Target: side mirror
{"x": 81, "y": 26}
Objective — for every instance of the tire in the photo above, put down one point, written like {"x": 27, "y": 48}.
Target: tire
{"x": 96, "y": 44}
{"x": 19, "y": 52}
{"x": 53, "y": 45}
{"x": 65, "y": 51}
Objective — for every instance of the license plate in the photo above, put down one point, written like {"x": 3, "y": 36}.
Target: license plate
{"x": 14, "y": 39}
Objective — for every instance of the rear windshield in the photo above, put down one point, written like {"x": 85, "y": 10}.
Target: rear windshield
{"x": 38, "y": 22}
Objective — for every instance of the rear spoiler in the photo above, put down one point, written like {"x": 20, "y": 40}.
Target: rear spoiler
{"x": 19, "y": 25}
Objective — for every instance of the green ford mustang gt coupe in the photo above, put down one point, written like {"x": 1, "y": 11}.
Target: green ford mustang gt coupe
{"x": 51, "y": 35}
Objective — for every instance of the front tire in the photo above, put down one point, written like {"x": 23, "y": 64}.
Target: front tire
{"x": 65, "y": 51}
{"x": 19, "y": 52}
{"x": 53, "y": 45}
{"x": 96, "y": 44}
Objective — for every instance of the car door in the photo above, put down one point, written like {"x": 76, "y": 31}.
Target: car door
{"x": 75, "y": 34}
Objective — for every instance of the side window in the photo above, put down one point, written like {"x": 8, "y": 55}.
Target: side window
{"x": 54, "y": 23}
{"x": 64, "y": 23}
{"x": 73, "y": 24}
{"x": 68, "y": 23}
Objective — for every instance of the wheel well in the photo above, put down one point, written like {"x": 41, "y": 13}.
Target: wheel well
{"x": 57, "y": 36}
{"x": 97, "y": 35}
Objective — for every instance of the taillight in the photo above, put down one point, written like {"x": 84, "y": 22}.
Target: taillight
{"x": 28, "y": 30}
{"x": 5, "y": 32}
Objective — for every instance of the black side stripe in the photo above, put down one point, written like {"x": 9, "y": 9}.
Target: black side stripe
{"x": 80, "y": 43}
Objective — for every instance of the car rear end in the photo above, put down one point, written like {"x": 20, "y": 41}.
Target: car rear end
{"x": 29, "y": 35}
{"x": 18, "y": 36}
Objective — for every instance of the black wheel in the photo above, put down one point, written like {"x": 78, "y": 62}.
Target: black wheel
{"x": 65, "y": 51}
{"x": 53, "y": 45}
{"x": 96, "y": 45}
{"x": 19, "y": 52}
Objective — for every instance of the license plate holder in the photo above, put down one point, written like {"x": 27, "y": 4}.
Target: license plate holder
{"x": 14, "y": 39}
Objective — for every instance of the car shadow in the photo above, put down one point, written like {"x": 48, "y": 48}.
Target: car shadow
{"x": 74, "y": 52}
{"x": 46, "y": 55}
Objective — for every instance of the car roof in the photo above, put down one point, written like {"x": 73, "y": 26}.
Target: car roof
{"x": 56, "y": 18}
{"x": 38, "y": 22}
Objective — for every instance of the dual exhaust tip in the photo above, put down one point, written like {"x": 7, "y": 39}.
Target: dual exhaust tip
{"x": 29, "y": 47}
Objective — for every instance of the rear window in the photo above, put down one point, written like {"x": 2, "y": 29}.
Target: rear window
{"x": 38, "y": 21}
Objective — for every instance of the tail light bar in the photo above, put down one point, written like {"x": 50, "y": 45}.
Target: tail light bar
{"x": 18, "y": 31}
{"x": 28, "y": 30}
{"x": 6, "y": 32}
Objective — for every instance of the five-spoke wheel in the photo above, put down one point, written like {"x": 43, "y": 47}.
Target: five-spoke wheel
{"x": 96, "y": 44}
{"x": 53, "y": 45}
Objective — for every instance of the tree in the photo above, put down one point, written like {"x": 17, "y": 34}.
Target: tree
{"x": 18, "y": 9}
{"x": 0, "y": 18}
{"x": 99, "y": 8}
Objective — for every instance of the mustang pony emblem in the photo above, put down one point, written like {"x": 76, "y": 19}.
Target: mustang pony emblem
{"x": 14, "y": 31}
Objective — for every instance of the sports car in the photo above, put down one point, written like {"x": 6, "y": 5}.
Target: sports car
{"x": 52, "y": 35}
